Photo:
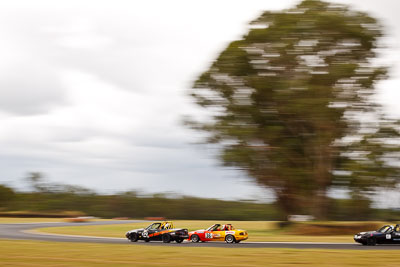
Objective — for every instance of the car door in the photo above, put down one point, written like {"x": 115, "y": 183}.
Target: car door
{"x": 389, "y": 237}
{"x": 395, "y": 237}
{"x": 384, "y": 235}
{"x": 386, "y": 238}
{"x": 153, "y": 234}
{"x": 218, "y": 235}
{"x": 152, "y": 231}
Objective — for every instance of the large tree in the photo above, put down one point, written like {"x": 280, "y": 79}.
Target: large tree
{"x": 286, "y": 96}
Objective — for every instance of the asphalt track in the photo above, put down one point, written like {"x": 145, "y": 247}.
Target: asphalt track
{"x": 26, "y": 231}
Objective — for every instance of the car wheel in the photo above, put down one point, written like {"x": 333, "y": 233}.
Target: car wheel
{"x": 371, "y": 241}
{"x": 178, "y": 240}
{"x": 194, "y": 238}
{"x": 133, "y": 237}
{"x": 230, "y": 239}
{"x": 166, "y": 238}
{"x": 147, "y": 240}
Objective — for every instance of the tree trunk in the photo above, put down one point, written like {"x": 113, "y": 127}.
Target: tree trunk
{"x": 322, "y": 178}
{"x": 289, "y": 201}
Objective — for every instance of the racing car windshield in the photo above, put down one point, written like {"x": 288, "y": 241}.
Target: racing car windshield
{"x": 153, "y": 226}
{"x": 385, "y": 229}
{"x": 213, "y": 227}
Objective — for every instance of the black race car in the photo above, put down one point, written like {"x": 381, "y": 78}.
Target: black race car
{"x": 385, "y": 235}
{"x": 158, "y": 231}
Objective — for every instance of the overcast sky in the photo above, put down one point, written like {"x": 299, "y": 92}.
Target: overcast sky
{"x": 93, "y": 92}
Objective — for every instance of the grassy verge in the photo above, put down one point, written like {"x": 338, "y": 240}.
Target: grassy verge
{"x": 35, "y": 253}
{"x": 36, "y": 220}
{"x": 258, "y": 231}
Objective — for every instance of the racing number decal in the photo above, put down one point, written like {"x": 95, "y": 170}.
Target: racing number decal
{"x": 145, "y": 234}
{"x": 209, "y": 235}
{"x": 388, "y": 236}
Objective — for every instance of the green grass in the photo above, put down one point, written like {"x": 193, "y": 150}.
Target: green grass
{"x": 36, "y": 220}
{"x": 258, "y": 231}
{"x": 35, "y": 253}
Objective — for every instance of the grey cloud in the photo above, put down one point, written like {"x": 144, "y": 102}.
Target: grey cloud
{"x": 29, "y": 90}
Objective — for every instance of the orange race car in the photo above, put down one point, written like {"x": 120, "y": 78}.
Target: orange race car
{"x": 219, "y": 232}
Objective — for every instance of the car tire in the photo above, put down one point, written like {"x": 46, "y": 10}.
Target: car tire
{"x": 230, "y": 239}
{"x": 179, "y": 240}
{"x": 194, "y": 238}
{"x": 371, "y": 241}
{"x": 166, "y": 238}
{"x": 133, "y": 237}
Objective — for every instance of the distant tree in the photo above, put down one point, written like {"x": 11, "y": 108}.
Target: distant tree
{"x": 75, "y": 189}
{"x": 37, "y": 181}
{"x": 287, "y": 95}
{"x": 6, "y": 195}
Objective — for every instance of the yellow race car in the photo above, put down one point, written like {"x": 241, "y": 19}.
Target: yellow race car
{"x": 219, "y": 232}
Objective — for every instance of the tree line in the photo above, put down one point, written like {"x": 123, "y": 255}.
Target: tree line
{"x": 62, "y": 201}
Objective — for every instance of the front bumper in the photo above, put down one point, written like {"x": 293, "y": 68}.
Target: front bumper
{"x": 183, "y": 236}
{"x": 241, "y": 237}
{"x": 360, "y": 239}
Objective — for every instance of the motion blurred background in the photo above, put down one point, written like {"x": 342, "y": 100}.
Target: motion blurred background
{"x": 239, "y": 110}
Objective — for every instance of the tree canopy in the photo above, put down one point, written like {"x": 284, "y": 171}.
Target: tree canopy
{"x": 291, "y": 102}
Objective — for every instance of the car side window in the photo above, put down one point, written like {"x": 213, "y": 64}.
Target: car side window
{"x": 155, "y": 226}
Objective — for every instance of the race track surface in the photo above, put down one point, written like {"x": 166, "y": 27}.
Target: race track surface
{"x": 23, "y": 231}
